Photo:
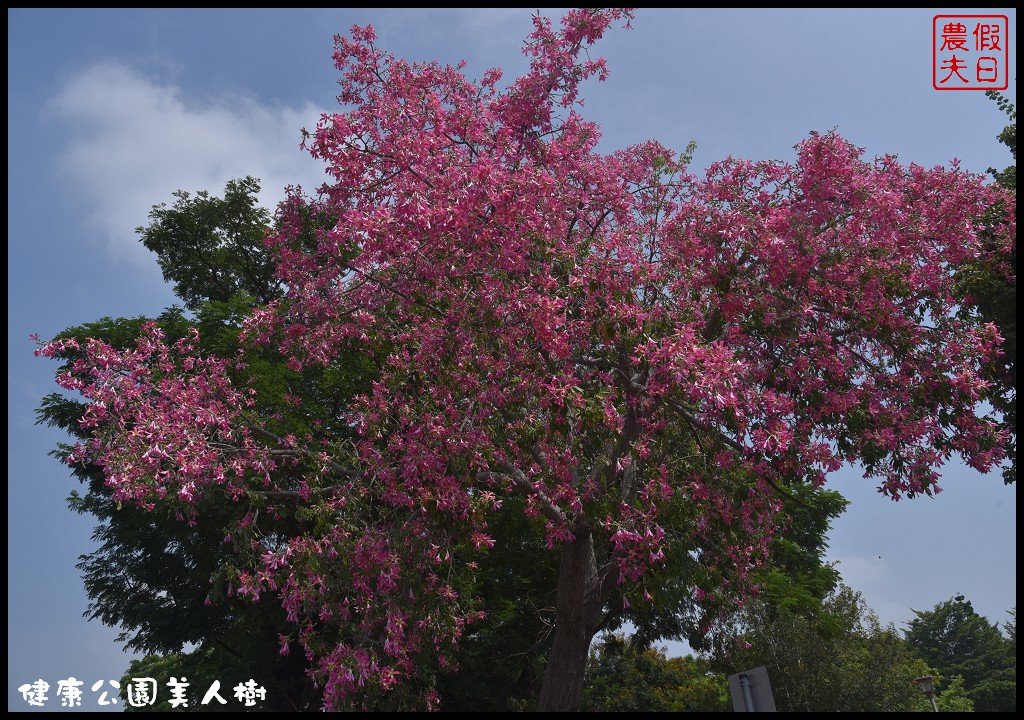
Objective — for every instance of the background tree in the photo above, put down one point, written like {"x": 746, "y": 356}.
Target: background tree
{"x": 840, "y": 659}
{"x": 672, "y": 354}
{"x": 1011, "y": 630}
{"x": 212, "y": 248}
{"x": 164, "y": 582}
{"x": 957, "y": 642}
{"x": 953, "y": 697}
{"x": 625, "y": 677}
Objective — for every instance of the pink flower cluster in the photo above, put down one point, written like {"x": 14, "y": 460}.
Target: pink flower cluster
{"x": 605, "y": 335}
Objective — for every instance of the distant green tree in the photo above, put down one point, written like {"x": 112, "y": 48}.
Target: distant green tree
{"x": 623, "y": 676}
{"x": 954, "y": 697}
{"x": 211, "y": 248}
{"x": 838, "y": 659}
{"x": 1011, "y": 629}
{"x": 954, "y": 640}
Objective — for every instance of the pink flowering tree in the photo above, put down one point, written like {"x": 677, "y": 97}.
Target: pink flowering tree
{"x": 642, "y": 359}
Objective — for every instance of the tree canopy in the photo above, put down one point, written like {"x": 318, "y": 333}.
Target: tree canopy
{"x": 840, "y": 659}
{"x": 625, "y": 677}
{"x": 957, "y": 642}
{"x": 152, "y": 574}
{"x": 641, "y": 363}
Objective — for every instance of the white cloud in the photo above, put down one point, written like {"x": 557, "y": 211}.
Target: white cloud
{"x": 132, "y": 141}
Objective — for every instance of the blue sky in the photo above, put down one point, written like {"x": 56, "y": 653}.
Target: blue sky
{"x": 110, "y": 111}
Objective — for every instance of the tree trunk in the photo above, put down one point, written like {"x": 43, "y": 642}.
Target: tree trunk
{"x": 577, "y": 611}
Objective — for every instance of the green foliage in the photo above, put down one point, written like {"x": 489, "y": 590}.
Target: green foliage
{"x": 954, "y": 697}
{"x": 623, "y": 676}
{"x": 501, "y": 660}
{"x": 956, "y": 641}
{"x": 212, "y": 248}
{"x": 1010, "y": 628}
{"x": 204, "y": 666}
{"x": 797, "y": 578}
{"x": 167, "y": 583}
{"x": 840, "y": 659}
{"x": 1006, "y": 177}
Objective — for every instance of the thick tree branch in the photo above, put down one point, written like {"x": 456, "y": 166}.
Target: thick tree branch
{"x": 519, "y": 479}
{"x": 341, "y": 470}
